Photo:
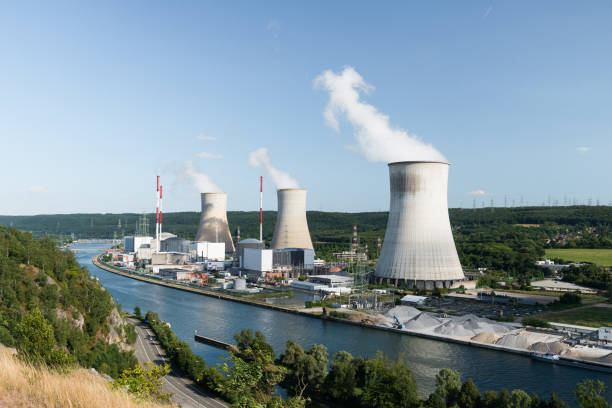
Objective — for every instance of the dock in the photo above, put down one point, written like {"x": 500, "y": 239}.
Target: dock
{"x": 213, "y": 342}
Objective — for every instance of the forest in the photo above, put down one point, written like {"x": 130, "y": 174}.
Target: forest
{"x": 53, "y": 312}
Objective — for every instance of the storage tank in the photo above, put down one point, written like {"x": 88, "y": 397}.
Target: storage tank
{"x": 240, "y": 284}
{"x": 419, "y": 249}
{"x": 291, "y": 230}
{"x": 213, "y": 221}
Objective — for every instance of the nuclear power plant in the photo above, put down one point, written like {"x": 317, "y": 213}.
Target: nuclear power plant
{"x": 419, "y": 249}
{"x": 213, "y": 221}
{"x": 291, "y": 229}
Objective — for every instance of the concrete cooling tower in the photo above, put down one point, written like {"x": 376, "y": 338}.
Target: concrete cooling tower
{"x": 419, "y": 249}
{"x": 213, "y": 222}
{"x": 291, "y": 230}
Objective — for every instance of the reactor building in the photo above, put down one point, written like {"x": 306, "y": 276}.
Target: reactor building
{"x": 213, "y": 222}
{"x": 419, "y": 249}
{"x": 291, "y": 229}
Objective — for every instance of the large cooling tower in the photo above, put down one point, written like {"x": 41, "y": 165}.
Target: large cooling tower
{"x": 213, "y": 222}
{"x": 291, "y": 230}
{"x": 419, "y": 249}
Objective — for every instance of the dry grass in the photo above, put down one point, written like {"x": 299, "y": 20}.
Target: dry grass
{"x": 22, "y": 385}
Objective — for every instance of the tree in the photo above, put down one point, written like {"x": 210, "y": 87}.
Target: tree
{"x": 341, "y": 382}
{"x": 469, "y": 397}
{"x": 520, "y": 399}
{"x": 36, "y": 340}
{"x": 144, "y": 383}
{"x": 588, "y": 394}
{"x": 305, "y": 370}
{"x": 388, "y": 384}
{"x": 448, "y": 386}
{"x": 137, "y": 312}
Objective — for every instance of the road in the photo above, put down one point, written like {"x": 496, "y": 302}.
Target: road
{"x": 184, "y": 391}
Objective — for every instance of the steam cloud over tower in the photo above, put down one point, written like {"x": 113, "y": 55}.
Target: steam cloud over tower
{"x": 291, "y": 230}
{"x": 419, "y": 249}
{"x": 213, "y": 222}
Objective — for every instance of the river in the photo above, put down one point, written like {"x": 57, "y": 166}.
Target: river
{"x": 221, "y": 319}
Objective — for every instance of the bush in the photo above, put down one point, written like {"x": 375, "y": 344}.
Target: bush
{"x": 339, "y": 315}
{"x": 536, "y": 322}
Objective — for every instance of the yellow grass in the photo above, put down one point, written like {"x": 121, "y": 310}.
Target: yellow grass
{"x": 22, "y": 385}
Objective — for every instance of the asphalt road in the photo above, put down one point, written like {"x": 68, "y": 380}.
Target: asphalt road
{"x": 184, "y": 391}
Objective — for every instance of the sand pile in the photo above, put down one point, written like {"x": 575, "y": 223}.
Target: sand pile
{"x": 486, "y": 337}
{"x": 515, "y": 340}
{"x": 550, "y": 347}
{"x": 403, "y": 313}
{"x": 470, "y": 326}
{"x": 422, "y": 321}
{"x": 588, "y": 353}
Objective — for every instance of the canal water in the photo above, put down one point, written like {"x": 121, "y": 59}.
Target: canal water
{"x": 220, "y": 319}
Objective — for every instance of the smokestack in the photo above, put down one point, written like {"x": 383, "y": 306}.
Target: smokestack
{"x": 291, "y": 230}
{"x": 261, "y": 208}
{"x": 213, "y": 222}
{"x": 419, "y": 249}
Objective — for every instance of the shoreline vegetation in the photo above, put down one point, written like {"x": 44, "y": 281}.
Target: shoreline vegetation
{"x": 251, "y": 373}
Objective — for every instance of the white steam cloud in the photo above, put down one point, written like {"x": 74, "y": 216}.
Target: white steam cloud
{"x": 477, "y": 193}
{"x": 377, "y": 141}
{"x": 200, "y": 180}
{"x": 282, "y": 179}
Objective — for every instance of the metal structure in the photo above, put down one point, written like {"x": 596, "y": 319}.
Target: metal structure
{"x": 213, "y": 222}
{"x": 291, "y": 229}
{"x": 419, "y": 249}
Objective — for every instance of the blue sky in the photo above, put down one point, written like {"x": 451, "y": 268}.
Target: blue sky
{"x": 96, "y": 98}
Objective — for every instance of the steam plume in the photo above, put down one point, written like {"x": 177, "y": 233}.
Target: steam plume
{"x": 282, "y": 179}
{"x": 200, "y": 180}
{"x": 376, "y": 139}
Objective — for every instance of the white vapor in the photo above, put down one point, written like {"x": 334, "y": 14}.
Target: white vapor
{"x": 583, "y": 149}
{"x": 282, "y": 179}
{"x": 200, "y": 180}
{"x": 477, "y": 192}
{"x": 207, "y": 155}
{"x": 204, "y": 137}
{"x": 376, "y": 139}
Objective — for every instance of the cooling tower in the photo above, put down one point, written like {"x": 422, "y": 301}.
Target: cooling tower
{"x": 213, "y": 222}
{"x": 291, "y": 230}
{"x": 419, "y": 249}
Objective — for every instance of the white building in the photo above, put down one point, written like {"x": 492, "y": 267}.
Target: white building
{"x": 132, "y": 244}
{"x": 605, "y": 333}
{"x": 259, "y": 260}
{"x": 203, "y": 250}
{"x": 332, "y": 281}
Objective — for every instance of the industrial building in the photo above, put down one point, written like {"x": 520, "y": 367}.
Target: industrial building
{"x": 247, "y": 243}
{"x": 132, "y": 244}
{"x": 213, "y": 221}
{"x": 291, "y": 229}
{"x": 175, "y": 273}
{"x": 201, "y": 251}
{"x": 332, "y": 281}
{"x": 419, "y": 249}
{"x": 282, "y": 263}
{"x": 175, "y": 244}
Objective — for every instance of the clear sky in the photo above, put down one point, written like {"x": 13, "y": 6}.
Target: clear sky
{"x": 96, "y": 98}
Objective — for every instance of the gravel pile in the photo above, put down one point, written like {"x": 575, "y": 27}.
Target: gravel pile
{"x": 470, "y": 326}
{"x": 422, "y": 321}
{"x": 403, "y": 313}
{"x": 551, "y": 347}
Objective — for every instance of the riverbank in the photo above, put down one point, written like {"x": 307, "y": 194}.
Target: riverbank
{"x": 415, "y": 333}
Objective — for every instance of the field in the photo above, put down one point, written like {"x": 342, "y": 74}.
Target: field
{"x": 592, "y": 316}
{"x": 601, "y": 257}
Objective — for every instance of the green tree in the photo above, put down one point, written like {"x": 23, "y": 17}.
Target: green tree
{"x": 520, "y": 399}
{"x": 448, "y": 386}
{"x": 36, "y": 340}
{"x": 144, "y": 383}
{"x": 469, "y": 397}
{"x": 341, "y": 382}
{"x": 137, "y": 312}
{"x": 388, "y": 384}
{"x": 305, "y": 370}
{"x": 588, "y": 394}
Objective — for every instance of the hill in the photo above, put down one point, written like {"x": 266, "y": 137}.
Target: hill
{"x": 53, "y": 312}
